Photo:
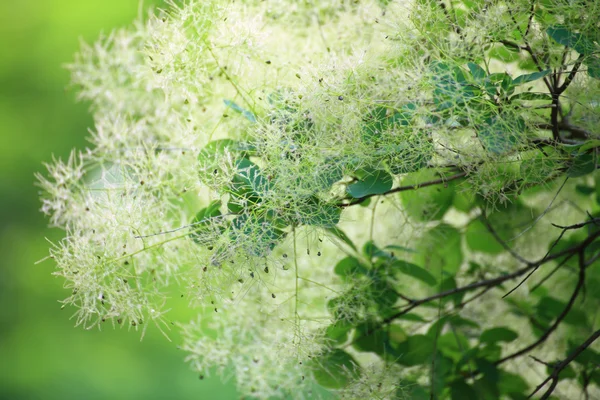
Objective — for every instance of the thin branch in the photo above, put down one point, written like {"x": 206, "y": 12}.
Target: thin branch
{"x": 550, "y": 274}
{"x": 405, "y": 188}
{"x": 562, "y": 365}
{"x": 489, "y": 283}
{"x": 571, "y": 75}
{"x": 560, "y": 318}
{"x": 531, "y": 14}
{"x": 502, "y": 243}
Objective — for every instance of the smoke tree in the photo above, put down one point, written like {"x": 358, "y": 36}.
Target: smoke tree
{"x": 386, "y": 199}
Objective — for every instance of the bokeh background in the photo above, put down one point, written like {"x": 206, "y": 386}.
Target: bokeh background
{"x": 42, "y": 356}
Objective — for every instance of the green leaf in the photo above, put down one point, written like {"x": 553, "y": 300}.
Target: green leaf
{"x": 370, "y": 250}
{"x": 581, "y": 165}
{"x": 460, "y": 390}
{"x": 450, "y": 284}
{"x": 590, "y": 144}
{"x": 414, "y": 271}
{"x": 529, "y": 96}
{"x": 439, "y": 250}
{"x": 319, "y": 213}
{"x": 396, "y": 247}
{"x": 202, "y": 221}
{"x": 338, "y": 233}
{"x": 548, "y": 308}
{"x": 504, "y": 53}
{"x": 500, "y": 133}
{"x": 427, "y": 203}
{"x": 500, "y": 334}
{"x": 372, "y": 337}
{"x": 376, "y": 123}
{"x": 247, "y": 114}
{"x": 411, "y": 317}
{"x": 249, "y": 183}
{"x": 209, "y": 156}
{"x": 335, "y": 369}
{"x": 412, "y": 391}
{"x": 537, "y": 169}
{"x": 593, "y": 66}
{"x": 480, "y": 239}
{"x": 416, "y": 350}
{"x": 562, "y": 35}
{"x": 371, "y": 181}
{"x": 585, "y": 190}
{"x": 262, "y": 234}
{"x": 338, "y": 332}
{"x": 349, "y": 267}
{"x": 477, "y": 72}
{"x": 510, "y": 383}
{"x": 588, "y": 357}
{"x": 404, "y": 116}
{"x": 521, "y": 79}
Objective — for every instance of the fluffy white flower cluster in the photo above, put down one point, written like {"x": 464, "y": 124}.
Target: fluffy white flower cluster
{"x": 163, "y": 90}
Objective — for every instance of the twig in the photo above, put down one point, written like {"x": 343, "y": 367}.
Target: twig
{"x": 559, "y": 319}
{"x": 405, "y": 188}
{"x": 502, "y": 243}
{"x": 562, "y": 365}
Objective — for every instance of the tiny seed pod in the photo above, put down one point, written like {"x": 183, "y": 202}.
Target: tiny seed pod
{"x": 273, "y": 295}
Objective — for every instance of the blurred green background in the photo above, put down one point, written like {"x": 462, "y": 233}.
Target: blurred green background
{"x": 42, "y": 356}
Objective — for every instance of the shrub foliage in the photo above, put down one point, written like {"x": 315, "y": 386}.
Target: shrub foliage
{"x": 387, "y": 199}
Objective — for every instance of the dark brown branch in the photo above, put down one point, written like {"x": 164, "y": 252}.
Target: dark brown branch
{"x": 502, "y": 243}
{"x": 452, "y": 21}
{"x": 554, "y": 123}
{"x": 405, "y": 188}
{"x": 531, "y": 14}
{"x": 594, "y": 221}
{"x": 565, "y": 126}
{"x": 562, "y": 365}
{"x": 571, "y": 75}
{"x": 551, "y": 273}
{"x": 563, "y": 314}
{"x": 494, "y": 282}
